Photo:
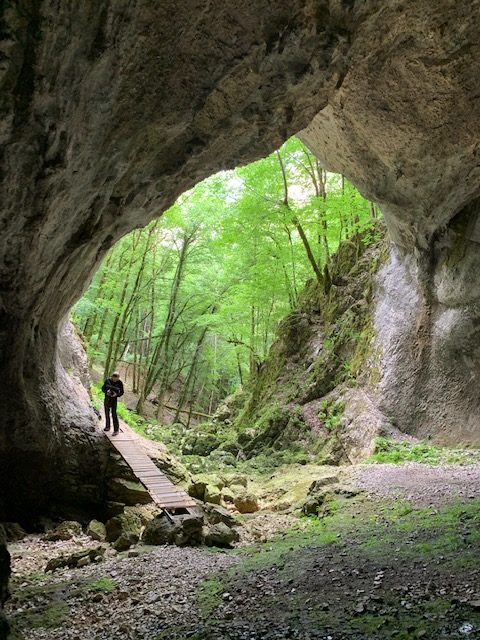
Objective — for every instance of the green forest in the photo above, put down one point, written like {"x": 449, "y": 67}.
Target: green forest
{"x": 187, "y": 308}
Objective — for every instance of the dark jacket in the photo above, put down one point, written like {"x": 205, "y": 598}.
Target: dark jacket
{"x": 112, "y": 385}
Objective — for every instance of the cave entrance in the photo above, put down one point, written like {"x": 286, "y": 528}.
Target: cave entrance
{"x": 187, "y": 308}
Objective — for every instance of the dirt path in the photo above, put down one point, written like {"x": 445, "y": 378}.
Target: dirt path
{"x": 421, "y": 484}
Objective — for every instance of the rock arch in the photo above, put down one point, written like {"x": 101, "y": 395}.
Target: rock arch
{"x": 111, "y": 109}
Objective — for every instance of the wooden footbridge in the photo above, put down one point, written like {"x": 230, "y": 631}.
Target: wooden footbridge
{"x": 163, "y": 492}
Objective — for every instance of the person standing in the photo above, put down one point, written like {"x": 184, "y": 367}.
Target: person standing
{"x": 113, "y": 389}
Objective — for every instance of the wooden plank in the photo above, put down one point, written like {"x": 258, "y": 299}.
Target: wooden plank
{"x": 161, "y": 485}
{"x": 174, "y": 505}
{"x": 165, "y": 491}
{"x": 162, "y": 490}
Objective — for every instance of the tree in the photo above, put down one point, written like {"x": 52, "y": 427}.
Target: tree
{"x": 189, "y": 305}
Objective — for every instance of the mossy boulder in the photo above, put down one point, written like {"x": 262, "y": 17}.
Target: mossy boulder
{"x": 197, "y": 489}
{"x": 96, "y": 530}
{"x": 200, "y": 444}
{"x": 125, "y": 523}
{"x": 237, "y": 479}
{"x": 63, "y": 531}
{"x": 220, "y": 535}
{"x": 125, "y": 541}
{"x": 128, "y": 492}
{"x": 213, "y": 494}
{"x": 72, "y": 560}
{"x": 171, "y": 467}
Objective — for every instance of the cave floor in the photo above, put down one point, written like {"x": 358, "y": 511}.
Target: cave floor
{"x": 399, "y": 561}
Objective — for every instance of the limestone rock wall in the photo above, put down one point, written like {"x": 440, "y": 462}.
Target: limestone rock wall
{"x": 109, "y": 110}
{"x": 428, "y": 336}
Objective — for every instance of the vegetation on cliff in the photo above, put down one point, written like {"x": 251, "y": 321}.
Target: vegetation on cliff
{"x": 189, "y": 306}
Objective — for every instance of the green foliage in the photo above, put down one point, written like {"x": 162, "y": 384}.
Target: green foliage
{"x": 331, "y": 413}
{"x": 103, "y": 584}
{"x": 396, "y": 452}
{"x": 51, "y": 617}
{"x": 209, "y": 595}
{"x": 192, "y": 302}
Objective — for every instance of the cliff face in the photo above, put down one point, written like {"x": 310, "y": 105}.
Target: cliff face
{"x": 110, "y": 109}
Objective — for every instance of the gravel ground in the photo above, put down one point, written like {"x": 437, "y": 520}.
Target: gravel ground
{"x": 153, "y": 592}
{"x": 421, "y": 484}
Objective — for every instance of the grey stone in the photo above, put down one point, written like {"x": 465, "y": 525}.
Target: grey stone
{"x": 246, "y": 503}
{"x": 64, "y": 531}
{"x": 185, "y": 530}
{"x": 216, "y": 513}
{"x": 125, "y": 541}
{"x": 220, "y": 535}
{"x": 96, "y": 530}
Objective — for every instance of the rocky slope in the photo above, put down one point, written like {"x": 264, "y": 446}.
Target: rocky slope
{"x": 317, "y": 392}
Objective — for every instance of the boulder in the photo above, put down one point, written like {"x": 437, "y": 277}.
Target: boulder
{"x": 114, "y": 509}
{"x": 159, "y": 531}
{"x": 313, "y": 503}
{"x": 216, "y": 513}
{"x": 189, "y": 530}
{"x": 232, "y": 446}
{"x": 145, "y": 512}
{"x": 125, "y": 541}
{"x": 213, "y": 494}
{"x": 14, "y": 531}
{"x": 197, "y": 489}
{"x": 64, "y": 531}
{"x": 323, "y": 482}
{"x": 200, "y": 444}
{"x": 183, "y": 531}
{"x": 128, "y": 492}
{"x": 84, "y": 562}
{"x": 220, "y": 535}
{"x": 318, "y": 496}
{"x": 72, "y": 561}
{"x": 246, "y": 503}
{"x": 125, "y": 523}
{"x": 171, "y": 467}
{"x": 228, "y": 495}
{"x": 96, "y": 530}
{"x": 238, "y": 479}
